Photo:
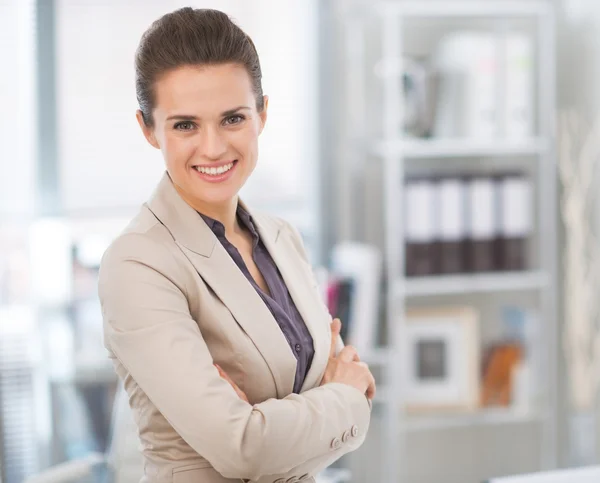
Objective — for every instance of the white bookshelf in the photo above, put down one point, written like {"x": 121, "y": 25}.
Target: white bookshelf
{"x": 481, "y": 417}
{"x": 452, "y": 148}
{"x": 499, "y": 417}
{"x": 396, "y": 154}
{"x": 470, "y": 284}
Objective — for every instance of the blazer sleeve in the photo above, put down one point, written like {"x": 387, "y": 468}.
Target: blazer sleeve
{"x": 149, "y": 329}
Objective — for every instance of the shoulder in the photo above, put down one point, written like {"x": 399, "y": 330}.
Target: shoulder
{"x": 142, "y": 238}
{"x": 144, "y": 242}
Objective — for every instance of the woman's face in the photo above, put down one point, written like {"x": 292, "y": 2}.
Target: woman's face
{"x": 206, "y": 124}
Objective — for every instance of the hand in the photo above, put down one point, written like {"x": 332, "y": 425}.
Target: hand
{"x": 346, "y": 367}
{"x": 239, "y": 392}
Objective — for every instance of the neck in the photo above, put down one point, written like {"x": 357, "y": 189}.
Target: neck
{"x": 225, "y": 212}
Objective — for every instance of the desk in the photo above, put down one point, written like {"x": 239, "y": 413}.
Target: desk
{"x": 577, "y": 475}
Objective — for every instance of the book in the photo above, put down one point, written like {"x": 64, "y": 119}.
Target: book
{"x": 517, "y": 99}
{"x": 421, "y": 227}
{"x": 451, "y": 205}
{"x": 482, "y": 226}
{"x": 358, "y": 268}
{"x": 467, "y": 65}
{"x": 516, "y": 220}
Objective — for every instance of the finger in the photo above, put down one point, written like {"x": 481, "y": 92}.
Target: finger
{"x": 370, "y": 392}
{"x": 236, "y": 388}
{"x": 241, "y": 394}
{"x": 229, "y": 380}
{"x": 371, "y": 388}
{"x": 222, "y": 373}
{"x": 336, "y": 326}
{"x": 355, "y": 356}
{"x": 348, "y": 354}
{"x": 225, "y": 376}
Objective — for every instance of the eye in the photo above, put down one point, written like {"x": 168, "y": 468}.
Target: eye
{"x": 184, "y": 126}
{"x": 232, "y": 120}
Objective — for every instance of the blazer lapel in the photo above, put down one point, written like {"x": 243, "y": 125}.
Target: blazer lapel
{"x": 294, "y": 272}
{"x": 220, "y": 272}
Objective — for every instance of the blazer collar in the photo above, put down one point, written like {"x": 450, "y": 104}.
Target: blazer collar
{"x": 220, "y": 272}
{"x": 182, "y": 220}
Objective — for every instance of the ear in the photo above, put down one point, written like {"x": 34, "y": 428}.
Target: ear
{"x": 263, "y": 114}
{"x": 148, "y": 131}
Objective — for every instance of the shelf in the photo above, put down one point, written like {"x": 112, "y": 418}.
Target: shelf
{"x": 482, "y": 417}
{"x": 486, "y": 417}
{"x": 468, "y": 284}
{"x": 455, "y": 148}
{"x": 403, "y": 157}
{"x": 334, "y": 475}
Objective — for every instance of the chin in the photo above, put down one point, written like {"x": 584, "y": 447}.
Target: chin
{"x": 210, "y": 193}
{"x": 216, "y": 196}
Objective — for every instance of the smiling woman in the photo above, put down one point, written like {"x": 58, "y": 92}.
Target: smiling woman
{"x": 206, "y": 113}
{"x": 212, "y": 315}
{"x": 206, "y": 121}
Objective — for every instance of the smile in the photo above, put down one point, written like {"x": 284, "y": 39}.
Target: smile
{"x": 212, "y": 171}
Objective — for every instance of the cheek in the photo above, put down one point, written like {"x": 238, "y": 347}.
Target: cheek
{"x": 246, "y": 143}
{"x": 177, "y": 150}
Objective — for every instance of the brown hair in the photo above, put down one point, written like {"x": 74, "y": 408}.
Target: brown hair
{"x": 191, "y": 37}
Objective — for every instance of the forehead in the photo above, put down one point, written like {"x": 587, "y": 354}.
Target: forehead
{"x": 203, "y": 90}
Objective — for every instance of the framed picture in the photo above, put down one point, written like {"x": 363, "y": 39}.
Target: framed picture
{"x": 441, "y": 359}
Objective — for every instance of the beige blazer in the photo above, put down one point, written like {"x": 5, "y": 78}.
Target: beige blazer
{"x": 173, "y": 303}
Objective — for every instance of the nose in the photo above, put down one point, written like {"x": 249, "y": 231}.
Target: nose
{"x": 212, "y": 143}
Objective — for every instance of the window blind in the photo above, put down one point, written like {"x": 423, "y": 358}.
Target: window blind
{"x": 17, "y": 401}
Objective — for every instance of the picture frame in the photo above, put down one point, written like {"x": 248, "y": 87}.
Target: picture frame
{"x": 441, "y": 359}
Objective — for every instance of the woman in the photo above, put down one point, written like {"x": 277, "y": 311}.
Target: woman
{"x": 212, "y": 315}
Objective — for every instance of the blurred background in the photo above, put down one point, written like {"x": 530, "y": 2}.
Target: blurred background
{"x": 440, "y": 160}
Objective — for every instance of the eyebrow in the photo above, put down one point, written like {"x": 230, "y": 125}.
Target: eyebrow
{"x": 186, "y": 117}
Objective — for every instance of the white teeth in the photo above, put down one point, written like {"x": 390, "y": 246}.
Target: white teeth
{"x": 214, "y": 171}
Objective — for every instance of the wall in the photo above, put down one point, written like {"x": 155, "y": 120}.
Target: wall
{"x": 578, "y": 91}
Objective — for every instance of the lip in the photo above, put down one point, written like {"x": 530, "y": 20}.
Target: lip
{"x": 220, "y": 178}
{"x": 216, "y": 164}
